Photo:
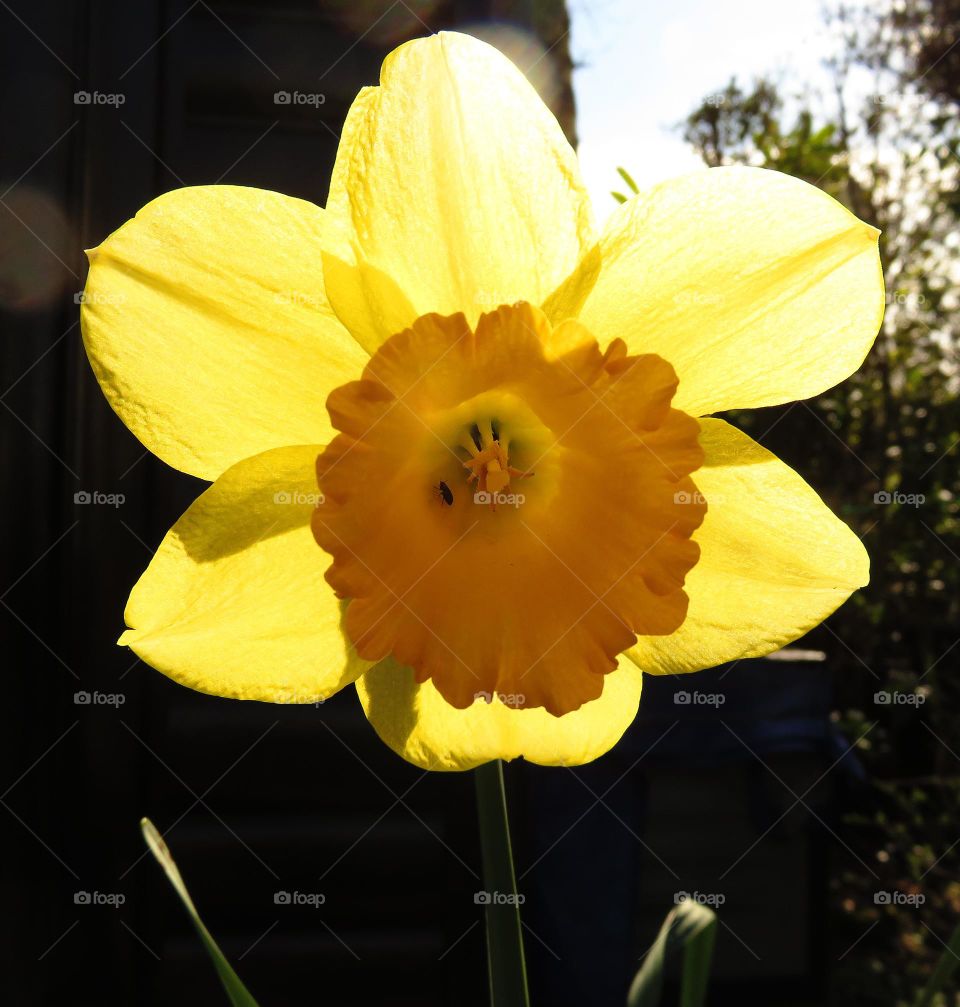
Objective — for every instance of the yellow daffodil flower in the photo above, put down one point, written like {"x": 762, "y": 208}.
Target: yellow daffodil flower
{"x": 486, "y": 415}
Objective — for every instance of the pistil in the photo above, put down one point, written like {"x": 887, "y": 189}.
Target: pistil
{"x": 490, "y": 467}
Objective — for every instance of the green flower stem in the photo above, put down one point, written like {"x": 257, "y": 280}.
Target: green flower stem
{"x": 505, "y": 962}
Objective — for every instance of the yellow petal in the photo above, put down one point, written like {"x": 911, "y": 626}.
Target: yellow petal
{"x": 455, "y": 188}
{"x": 207, "y": 325}
{"x": 419, "y": 724}
{"x": 757, "y": 287}
{"x": 774, "y": 560}
{"x": 234, "y": 602}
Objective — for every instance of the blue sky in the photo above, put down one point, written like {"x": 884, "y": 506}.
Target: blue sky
{"x": 644, "y": 65}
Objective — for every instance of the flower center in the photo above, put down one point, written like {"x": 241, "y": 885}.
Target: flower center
{"x": 484, "y": 452}
{"x": 489, "y": 466}
{"x": 508, "y": 508}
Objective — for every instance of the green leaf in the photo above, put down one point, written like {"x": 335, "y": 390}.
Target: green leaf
{"x": 236, "y": 991}
{"x": 697, "y": 955}
{"x": 945, "y": 967}
{"x": 626, "y": 176}
{"x": 692, "y": 927}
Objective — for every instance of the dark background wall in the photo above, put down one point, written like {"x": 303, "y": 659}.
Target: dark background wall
{"x": 255, "y": 799}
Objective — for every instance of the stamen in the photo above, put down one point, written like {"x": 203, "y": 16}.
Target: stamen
{"x": 490, "y": 468}
{"x": 466, "y": 442}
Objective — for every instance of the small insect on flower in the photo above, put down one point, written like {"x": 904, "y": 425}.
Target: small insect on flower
{"x": 444, "y": 494}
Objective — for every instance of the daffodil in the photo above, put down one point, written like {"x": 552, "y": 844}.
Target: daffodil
{"x": 460, "y": 443}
